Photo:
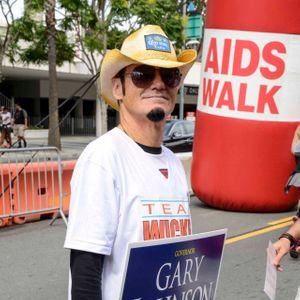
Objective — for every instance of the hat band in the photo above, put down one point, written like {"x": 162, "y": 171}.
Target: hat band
{"x": 151, "y": 54}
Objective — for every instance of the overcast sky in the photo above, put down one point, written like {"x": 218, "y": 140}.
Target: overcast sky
{"x": 17, "y": 8}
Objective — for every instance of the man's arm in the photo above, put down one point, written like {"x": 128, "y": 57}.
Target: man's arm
{"x": 283, "y": 245}
{"x": 86, "y": 273}
{"x": 25, "y": 118}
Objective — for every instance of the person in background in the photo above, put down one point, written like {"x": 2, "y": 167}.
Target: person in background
{"x": 19, "y": 122}
{"x": 290, "y": 239}
{"x": 294, "y": 179}
{"x": 125, "y": 182}
{"x": 6, "y": 127}
{"x": 1, "y": 111}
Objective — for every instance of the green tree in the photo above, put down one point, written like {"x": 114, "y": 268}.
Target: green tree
{"x": 92, "y": 27}
{"x": 99, "y": 25}
{"x": 38, "y": 41}
{"x": 6, "y": 10}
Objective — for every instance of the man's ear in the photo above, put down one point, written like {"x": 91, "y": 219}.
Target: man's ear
{"x": 117, "y": 88}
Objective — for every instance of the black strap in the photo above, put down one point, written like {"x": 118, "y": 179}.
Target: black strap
{"x": 86, "y": 272}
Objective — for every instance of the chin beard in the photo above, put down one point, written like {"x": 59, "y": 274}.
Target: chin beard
{"x": 156, "y": 115}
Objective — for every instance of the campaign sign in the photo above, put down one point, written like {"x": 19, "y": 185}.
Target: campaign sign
{"x": 174, "y": 269}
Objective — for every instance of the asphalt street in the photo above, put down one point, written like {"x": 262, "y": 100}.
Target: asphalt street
{"x": 34, "y": 265}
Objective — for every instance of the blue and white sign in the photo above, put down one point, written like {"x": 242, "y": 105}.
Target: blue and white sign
{"x": 157, "y": 42}
{"x": 171, "y": 269}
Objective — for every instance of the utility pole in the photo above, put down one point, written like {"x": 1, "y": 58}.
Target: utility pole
{"x": 181, "y": 104}
{"x": 101, "y": 106}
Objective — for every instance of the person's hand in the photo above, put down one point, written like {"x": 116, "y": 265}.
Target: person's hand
{"x": 282, "y": 247}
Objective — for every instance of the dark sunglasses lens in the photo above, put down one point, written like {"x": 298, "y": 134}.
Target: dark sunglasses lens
{"x": 142, "y": 76}
{"x": 171, "y": 77}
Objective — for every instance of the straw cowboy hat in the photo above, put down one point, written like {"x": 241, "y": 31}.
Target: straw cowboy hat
{"x": 149, "y": 46}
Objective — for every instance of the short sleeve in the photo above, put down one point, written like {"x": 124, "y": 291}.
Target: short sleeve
{"x": 25, "y": 114}
{"x": 94, "y": 208}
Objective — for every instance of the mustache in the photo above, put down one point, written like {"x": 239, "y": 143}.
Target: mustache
{"x": 156, "y": 115}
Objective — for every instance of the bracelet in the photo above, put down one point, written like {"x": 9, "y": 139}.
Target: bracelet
{"x": 288, "y": 236}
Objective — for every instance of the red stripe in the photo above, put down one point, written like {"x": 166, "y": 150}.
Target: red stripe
{"x": 254, "y": 15}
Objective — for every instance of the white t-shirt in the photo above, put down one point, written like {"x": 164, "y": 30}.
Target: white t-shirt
{"x": 122, "y": 194}
{"x": 6, "y": 118}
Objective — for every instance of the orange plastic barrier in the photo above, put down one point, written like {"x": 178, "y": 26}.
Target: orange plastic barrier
{"x": 67, "y": 171}
{"x": 37, "y": 188}
{"x": 6, "y": 174}
{"x": 34, "y": 188}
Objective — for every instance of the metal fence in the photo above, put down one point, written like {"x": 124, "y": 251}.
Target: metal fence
{"x": 78, "y": 126}
{"x": 85, "y": 126}
{"x": 30, "y": 184}
{"x": 69, "y": 126}
{"x": 5, "y": 101}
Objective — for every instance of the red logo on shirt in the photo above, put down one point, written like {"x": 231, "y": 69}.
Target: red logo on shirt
{"x": 165, "y": 172}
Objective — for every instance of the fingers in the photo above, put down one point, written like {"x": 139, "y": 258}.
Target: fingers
{"x": 277, "y": 266}
{"x": 277, "y": 260}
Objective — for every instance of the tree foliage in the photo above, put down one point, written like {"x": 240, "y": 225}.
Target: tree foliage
{"x": 29, "y": 39}
{"x": 6, "y": 10}
{"x": 101, "y": 25}
{"x": 85, "y": 29}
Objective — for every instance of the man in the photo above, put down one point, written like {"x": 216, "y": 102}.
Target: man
{"x": 20, "y": 124}
{"x": 290, "y": 238}
{"x": 126, "y": 187}
{"x": 294, "y": 179}
{"x": 1, "y": 111}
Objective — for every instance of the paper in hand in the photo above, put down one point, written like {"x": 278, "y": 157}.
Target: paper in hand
{"x": 271, "y": 273}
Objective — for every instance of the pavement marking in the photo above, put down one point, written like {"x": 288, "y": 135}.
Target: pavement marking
{"x": 277, "y": 224}
{"x": 281, "y": 221}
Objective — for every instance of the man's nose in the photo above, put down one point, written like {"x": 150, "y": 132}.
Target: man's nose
{"x": 157, "y": 81}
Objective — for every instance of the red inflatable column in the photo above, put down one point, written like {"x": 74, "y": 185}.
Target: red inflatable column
{"x": 249, "y": 105}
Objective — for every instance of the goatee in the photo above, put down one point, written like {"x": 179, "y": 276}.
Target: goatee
{"x": 156, "y": 115}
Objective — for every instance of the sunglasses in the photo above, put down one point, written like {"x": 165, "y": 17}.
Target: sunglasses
{"x": 143, "y": 76}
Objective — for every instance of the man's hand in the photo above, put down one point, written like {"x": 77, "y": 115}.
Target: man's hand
{"x": 282, "y": 247}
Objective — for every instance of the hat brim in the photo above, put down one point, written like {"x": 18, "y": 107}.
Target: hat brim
{"x": 115, "y": 60}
